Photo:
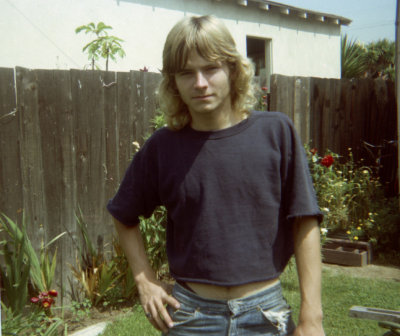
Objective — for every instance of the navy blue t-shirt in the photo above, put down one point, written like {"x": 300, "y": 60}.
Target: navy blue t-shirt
{"x": 231, "y": 196}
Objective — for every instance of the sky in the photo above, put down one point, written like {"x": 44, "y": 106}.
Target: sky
{"x": 371, "y": 19}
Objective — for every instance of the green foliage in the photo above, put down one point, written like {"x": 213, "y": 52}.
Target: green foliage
{"x": 32, "y": 323}
{"x": 373, "y": 60}
{"x": 346, "y": 193}
{"x": 353, "y": 58}
{"x": 154, "y": 237}
{"x": 96, "y": 275}
{"x": 15, "y": 275}
{"x": 262, "y": 99}
{"x": 103, "y": 46}
{"x": 22, "y": 264}
{"x": 353, "y": 202}
{"x": 385, "y": 233}
{"x": 159, "y": 120}
{"x": 379, "y": 59}
{"x": 80, "y": 310}
{"x": 126, "y": 286}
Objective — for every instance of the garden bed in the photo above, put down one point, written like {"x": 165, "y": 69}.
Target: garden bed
{"x": 346, "y": 252}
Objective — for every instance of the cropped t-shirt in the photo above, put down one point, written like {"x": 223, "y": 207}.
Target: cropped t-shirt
{"x": 230, "y": 195}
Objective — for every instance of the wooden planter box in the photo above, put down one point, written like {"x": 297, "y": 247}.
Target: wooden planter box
{"x": 346, "y": 252}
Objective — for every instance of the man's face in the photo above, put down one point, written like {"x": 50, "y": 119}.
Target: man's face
{"x": 204, "y": 86}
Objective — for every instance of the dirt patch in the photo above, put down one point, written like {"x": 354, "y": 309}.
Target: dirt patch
{"x": 371, "y": 271}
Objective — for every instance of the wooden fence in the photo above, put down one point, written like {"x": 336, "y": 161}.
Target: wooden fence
{"x": 337, "y": 114}
{"x": 66, "y": 139}
{"x": 65, "y": 142}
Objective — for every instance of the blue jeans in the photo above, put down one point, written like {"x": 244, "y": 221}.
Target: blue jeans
{"x": 264, "y": 313}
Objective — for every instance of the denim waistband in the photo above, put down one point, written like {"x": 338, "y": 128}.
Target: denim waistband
{"x": 267, "y": 297}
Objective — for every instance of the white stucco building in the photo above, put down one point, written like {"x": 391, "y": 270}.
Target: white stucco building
{"x": 280, "y": 39}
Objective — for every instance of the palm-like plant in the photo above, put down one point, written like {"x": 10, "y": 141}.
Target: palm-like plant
{"x": 379, "y": 58}
{"x": 104, "y": 46}
{"x": 352, "y": 58}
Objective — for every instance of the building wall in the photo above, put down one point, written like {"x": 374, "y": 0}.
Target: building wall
{"x": 40, "y": 33}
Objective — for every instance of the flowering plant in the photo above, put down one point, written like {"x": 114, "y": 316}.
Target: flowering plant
{"x": 45, "y": 299}
{"x": 346, "y": 193}
{"x": 262, "y": 103}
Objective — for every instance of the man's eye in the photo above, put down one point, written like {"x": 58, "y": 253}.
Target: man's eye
{"x": 184, "y": 73}
{"x": 212, "y": 68}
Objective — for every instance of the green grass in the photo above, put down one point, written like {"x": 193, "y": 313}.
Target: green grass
{"x": 340, "y": 292}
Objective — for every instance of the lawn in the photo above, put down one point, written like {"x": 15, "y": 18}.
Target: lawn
{"x": 340, "y": 292}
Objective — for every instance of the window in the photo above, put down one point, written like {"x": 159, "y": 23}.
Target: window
{"x": 259, "y": 51}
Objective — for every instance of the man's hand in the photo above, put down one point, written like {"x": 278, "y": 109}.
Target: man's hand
{"x": 153, "y": 293}
{"x": 154, "y": 297}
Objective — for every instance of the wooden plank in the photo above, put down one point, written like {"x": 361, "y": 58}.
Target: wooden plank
{"x": 282, "y": 86}
{"x": 364, "y": 246}
{"x": 89, "y": 125}
{"x": 348, "y": 258}
{"x": 111, "y": 163}
{"x": 301, "y": 107}
{"x": 10, "y": 166}
{"x": 111, "y": 131}
{"x": 274, "y": 93}
{"x": 138, "y": 97}
{"x": 57, "y": 136}
{"x": 126, "y": 120}
{"x": 150, "y": 85}
{"x": 34, "y": 203}
{"x": 376, "y": 314}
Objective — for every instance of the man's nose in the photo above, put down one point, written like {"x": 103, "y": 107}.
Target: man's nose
{"x": 200, "y": 80}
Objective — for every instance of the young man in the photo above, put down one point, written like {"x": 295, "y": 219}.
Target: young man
{"x": 239, "y": 197}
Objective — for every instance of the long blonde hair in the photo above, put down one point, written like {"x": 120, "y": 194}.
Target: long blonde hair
{"x": 212, "y": 41}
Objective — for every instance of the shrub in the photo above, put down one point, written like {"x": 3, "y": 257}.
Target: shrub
{"x": 353, "y": 202}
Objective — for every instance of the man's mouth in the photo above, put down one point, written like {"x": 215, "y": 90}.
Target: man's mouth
{"x": 202, "y": 97}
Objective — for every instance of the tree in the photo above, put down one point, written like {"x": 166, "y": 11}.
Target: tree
{"x": 104, "y": 46}
{"x": 376, "y": 59}
{"x": 379, "y": 59}
{"x": 352, "y": 58}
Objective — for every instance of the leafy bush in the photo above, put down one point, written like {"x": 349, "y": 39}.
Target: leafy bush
{"x": 346, "y": 192}
{"x": 353, "y": 202}
{"x": 23, "y": 269}
{"x": 96, "y": 275}
{"x": 154, "y": 237}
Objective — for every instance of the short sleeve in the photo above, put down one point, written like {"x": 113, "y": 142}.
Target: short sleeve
{"x": 299, "y": 194}
{"x": 137, "y": 194}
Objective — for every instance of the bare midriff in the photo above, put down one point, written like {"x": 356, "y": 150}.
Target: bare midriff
{"x": 231, "y": 292}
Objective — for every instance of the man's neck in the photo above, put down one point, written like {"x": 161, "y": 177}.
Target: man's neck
{"x": 215, "y": 121}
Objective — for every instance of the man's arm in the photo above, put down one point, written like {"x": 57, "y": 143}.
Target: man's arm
{"x": 153, "y": 295}
{"x": 308, "y": 259}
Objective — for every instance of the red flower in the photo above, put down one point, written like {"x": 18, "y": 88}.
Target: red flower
{"x": 34, "y": 299}
{"x": 313, "y": 151}
{"x": 264, "y": 88}
{"x": 53, "y": 292}
{"x": 327, "y": 160}
{"x": 43, "y": 294}
{"x": 46, "y": 303}
{"x": 264, "y": 97}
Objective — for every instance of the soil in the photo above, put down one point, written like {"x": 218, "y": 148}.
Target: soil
{"x": 373, "y": 271}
